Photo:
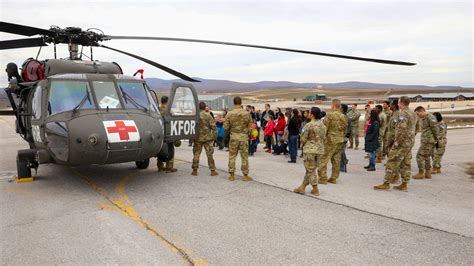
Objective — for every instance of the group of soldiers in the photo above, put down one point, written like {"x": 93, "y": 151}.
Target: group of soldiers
{"x": 399, "y": 126}
{"x": 323, "y": 140}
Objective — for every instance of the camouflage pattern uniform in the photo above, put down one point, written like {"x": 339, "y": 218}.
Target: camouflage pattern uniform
{"x": 382, "y": 129}
{"x": 336, "y": 125}
{"x": 354, "y": 117}
{"x": 207, "y": 132}
{"x": 312, "y": 140}
{"x": 429, "y": 138}
{"x": 239, "y": 124}
{"x": 441, "y": 147}
{"x": 170, "y": 163}
{"x": 388, "y": 113}
{"x": 401, "y": 139}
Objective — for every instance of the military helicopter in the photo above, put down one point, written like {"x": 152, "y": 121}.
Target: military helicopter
{"x": 82, "y": 112}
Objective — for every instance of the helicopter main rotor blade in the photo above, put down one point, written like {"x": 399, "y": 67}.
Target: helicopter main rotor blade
{"x": 22, "y": 43}
{"x": 7, "y": 113}
{"x": 374, "y": 60}
{"x": 162, "y": 67}
{"x": 22, "y": 30}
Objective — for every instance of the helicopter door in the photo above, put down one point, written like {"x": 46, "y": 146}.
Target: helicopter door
{"x": 182, "y": 116}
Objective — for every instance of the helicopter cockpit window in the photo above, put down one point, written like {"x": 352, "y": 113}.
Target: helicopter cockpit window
{"x": 67, "y": 95}
{"x": 183, "y": 102}
{"x": 106, "y": 94}
{"x": 135, "y": 96}
{"x": 36, "y": 103}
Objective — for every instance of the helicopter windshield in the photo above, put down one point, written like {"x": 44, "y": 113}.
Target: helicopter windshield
{"x": 106, "y": 94}
{"x": 135, "y": 95}
{"x": 65, "y": 95}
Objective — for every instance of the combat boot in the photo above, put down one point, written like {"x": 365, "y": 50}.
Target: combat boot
{"x": 435, "y": 171}
{"x": 214, "y": 173}
{"x": 301, "y": 189}
{"x": 395, "y": 179}
{"x": 420, "y": 175}
{"x": 171, "y": 170}
{"x": 323, "y": 181}
{"x": 350, "y": 147}
{"x": 315, "y": 191}
{"x": 332, "y": 180}
{"x": 379, "y": 160}
{"x": 195, "y": 172}
{"x": 356, "y": 148}
{"x": 384, "y": 186}
{"x": 428, "y": 174}
{"x": 402, "y": 187}
{"x": 247, "y": 178}
{"x": 366, "y": 156}
{"x": 161, "y": 166}
{"x": 231, "y": 177}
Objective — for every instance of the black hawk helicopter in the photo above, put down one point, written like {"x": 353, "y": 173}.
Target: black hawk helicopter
{"x": 82, "y": 112}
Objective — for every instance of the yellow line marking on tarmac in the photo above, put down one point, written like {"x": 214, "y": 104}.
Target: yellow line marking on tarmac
{"x": 16, "y": 190}
{"x": 125, "y": 207}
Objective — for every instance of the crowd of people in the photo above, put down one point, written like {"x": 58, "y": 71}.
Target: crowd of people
{"x": 389, "y": 132}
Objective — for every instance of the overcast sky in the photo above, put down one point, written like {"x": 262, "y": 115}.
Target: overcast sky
{"x": 437, "y": 35}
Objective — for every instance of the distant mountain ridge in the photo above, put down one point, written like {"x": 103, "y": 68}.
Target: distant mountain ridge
{"x": 214, "y": 85}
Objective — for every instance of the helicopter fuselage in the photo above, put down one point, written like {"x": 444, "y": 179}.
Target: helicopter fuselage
{"x": 81, "y": 119}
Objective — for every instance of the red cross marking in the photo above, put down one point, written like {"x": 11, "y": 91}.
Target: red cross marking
{"x": 122, "y": 130}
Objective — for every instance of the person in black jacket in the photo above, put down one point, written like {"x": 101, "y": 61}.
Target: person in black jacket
{"x": 293, "y": 132}
{"x": 372, "y": 138}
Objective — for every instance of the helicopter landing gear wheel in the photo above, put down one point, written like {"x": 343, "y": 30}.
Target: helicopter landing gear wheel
{"x": 143, "y": 164}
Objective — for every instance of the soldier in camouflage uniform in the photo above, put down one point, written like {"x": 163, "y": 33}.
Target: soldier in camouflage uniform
{"x": 169, "y": 164}
{"x": 238, "y": 124}
{"x": 441, "y": 145}
{"x": 336, "y": 125}
{"x": 382, "y": 129}
{"x": 399, "y": 157}
{"x": 312, "y": 141}
{"x": 429, "y": 138}
{"x": 391, "y": 124}
{"x": 354, "y": 116}
{"x": 207, "y": 133}
{"x": 386, "y": 109}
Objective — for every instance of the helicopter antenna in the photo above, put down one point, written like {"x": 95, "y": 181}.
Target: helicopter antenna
{"x": 92, "y": 55}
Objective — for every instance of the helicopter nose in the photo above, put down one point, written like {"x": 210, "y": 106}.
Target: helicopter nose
{"x": 148, "y": 136}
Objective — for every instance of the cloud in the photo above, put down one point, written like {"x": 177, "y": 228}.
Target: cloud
{"x": 435, "y": 34}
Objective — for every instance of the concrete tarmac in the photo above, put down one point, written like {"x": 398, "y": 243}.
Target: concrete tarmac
{"x": 118, "y": 214}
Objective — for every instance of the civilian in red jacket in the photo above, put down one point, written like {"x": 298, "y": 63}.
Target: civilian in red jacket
{"x": 280, "y": 127}
{"x": 269, "y": 129}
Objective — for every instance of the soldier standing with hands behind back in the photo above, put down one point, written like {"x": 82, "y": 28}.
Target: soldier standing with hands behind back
{"x": 238, "y": 124}
{"x": 399, "y": 157}
{"x": 207, "y": 133}
{"x": 429, "y": 138}
{"x": 354, "y": 116}
{"x": 336, "y": 125}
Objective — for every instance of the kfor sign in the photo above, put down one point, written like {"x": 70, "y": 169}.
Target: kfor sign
{"x": 183, "y": 127}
